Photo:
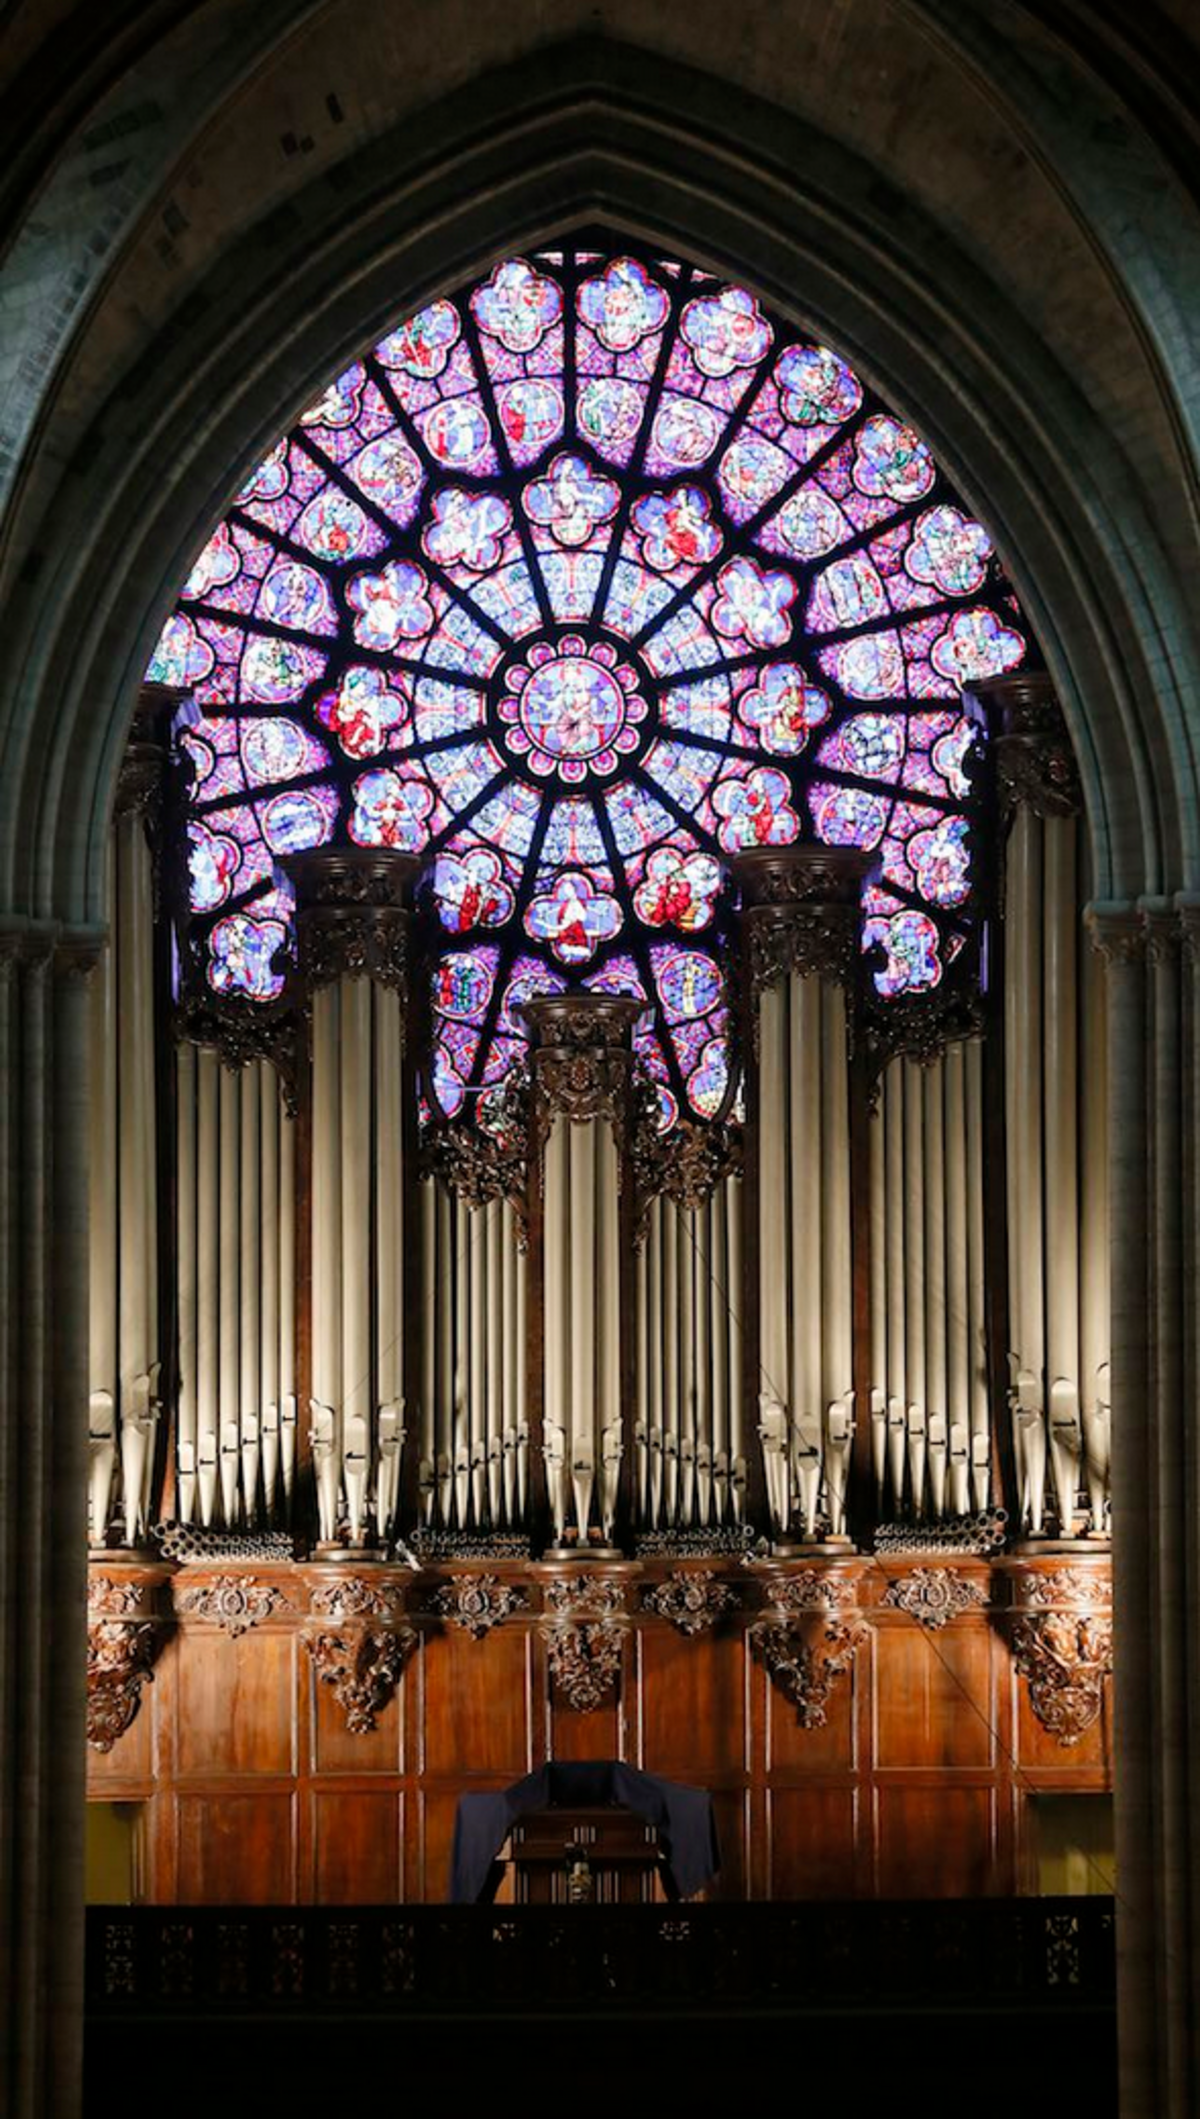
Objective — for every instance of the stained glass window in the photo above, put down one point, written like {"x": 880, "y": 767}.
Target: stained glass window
{"x": 576, "y": 584}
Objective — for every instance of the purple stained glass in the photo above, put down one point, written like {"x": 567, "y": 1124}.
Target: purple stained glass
{"x": 575, "y": 584}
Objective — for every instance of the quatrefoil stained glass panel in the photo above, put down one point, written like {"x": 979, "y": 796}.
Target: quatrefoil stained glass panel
{"x": 576, "y": 584}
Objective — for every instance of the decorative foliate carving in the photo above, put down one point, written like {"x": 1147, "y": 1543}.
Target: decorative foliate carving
{"x": 477, "y": 1602}
{"x": 693, "y": 1599}
{"x": 116, "y": 1597}
{"x": 684, "y": 1166}
{"x": 242, "y": 1033}
{"x": 1034, "y": 762}
{"x": 584, "y": 1596}
{"x": 921, "y": 1029}
{"x": 934, "y": 1595}
{"x": 119, "y": 1658}
{"x": 584, "y": 1660}
{"x": 363, "y": 1665}
{"x": 808, "y": 1637}
{"x": 143, "y": 764}
{"x": 800, "y": 911}
{"x": 1075, "y": 1588}
{"x": 352, "y": 914}
{"x": 1118, "y": 932}
{"x": 582, "y": 1059}
{"x": 482, "y": 1163}
{"x": 1064, "y": 1657}
{"x": 233, "y": 1602}
{"x": 805, "y": 1656}
{"x": 357, "y": 1597}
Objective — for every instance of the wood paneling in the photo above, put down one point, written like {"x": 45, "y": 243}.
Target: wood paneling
{"x": 915, "y": 1784}
{"x": 236, "y": 1849}
{"x": 357, "y": 1842}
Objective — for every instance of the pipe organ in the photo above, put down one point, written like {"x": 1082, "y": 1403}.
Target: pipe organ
{"x": 374, "y": 1378}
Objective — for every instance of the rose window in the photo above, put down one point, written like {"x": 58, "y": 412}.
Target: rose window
{"x": 575, "y": 584}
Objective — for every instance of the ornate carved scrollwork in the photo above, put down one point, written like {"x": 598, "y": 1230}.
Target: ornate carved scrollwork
{"x": 686, "y": 1166}
{"x": 808, "y": 1637}
{"x": 357, "y": 1597}
{"x": 363, "y": 1664}
{"x": 352, "y": 914}
{"x": 123, "y": 1640}
{"x": 584, "y": 1634}
{"x": 477, "y": 1602}
{"x": 233, "y": 1602}
{"x": 1035, "y": 764}
{"x": 921, "y": 1029}
{"x": 934, "y": 1595}
{"x": 693, "y": 1599}
{"x": 800, "y": 911}
{"x": 1063, "y": 1646}
{"x": 486, "y": 1164}
{"x": 242, "y": 1033}
{"x": 582, "y": 1059}
{"x": 143, "y": 764}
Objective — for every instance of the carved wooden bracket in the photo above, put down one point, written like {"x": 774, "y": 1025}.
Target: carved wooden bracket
{"x": 1035, "y": 764}
{"x": 1063, "y": 1646}
{"x": 478, "y": 1602}
{"x": 233, "y": 1602}
{"x": 482, "y": 1165}
{"x": 584, "y": 1632}
{"x": 685, "y": 1165}
{"x": 934, "y": 1595}
{"x": 363, "y": 1664}
{"x": 124, "y": 1636}
{"x": 808, "y": 1637}
{"x": 801, "y": 911}
{"x": 352, "y": 913}
{"x": 693, "y": 1599}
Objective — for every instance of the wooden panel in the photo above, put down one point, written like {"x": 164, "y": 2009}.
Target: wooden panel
{"x": 934, "y": 1700}
{"x": 937, "y": 1842}
{"x": 594, "y": 1735}
{"x": 693, "y": 1705}
{"x": 235, "y": 1703}
{"x": 436, "y": 1840}
{"x": 357, "y": 1840}
{"x": 236, "y": 1850}
{"x": 731, "y": 1809}
{"x": 811, "y": 1842}
{"x": 792, "y": 1748}
{"x": 476, "y": 1698}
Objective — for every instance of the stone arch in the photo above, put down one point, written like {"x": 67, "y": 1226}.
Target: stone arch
{"x": 579, "y": 132}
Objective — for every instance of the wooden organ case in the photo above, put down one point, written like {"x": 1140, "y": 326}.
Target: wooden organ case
{"x": 772, "y": 1458}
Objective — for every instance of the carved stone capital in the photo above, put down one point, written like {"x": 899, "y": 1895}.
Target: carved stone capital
{"x": 801, "y": 911}
{"x": 233, "y": 1602}
{"x": 693, "y": 1599}
{"x": 363, "y": 1664}
{"x": 1117, "y": 931}
{"x": 477, "y": 1602}
{"x": 582, "y": 1058}
{"x": 352, "y": 913}
{"x": 934, "y": 1595}
{"x": 1035, "y": 763}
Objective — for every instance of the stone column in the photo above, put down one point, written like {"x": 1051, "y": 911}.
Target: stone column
{"x": 1152, "y": 953}
{"x": 352, "y": 923}
{"x": 800, "y": 915}
{"x": 43, "y": 1484}
{"x": 582, "y": 1065}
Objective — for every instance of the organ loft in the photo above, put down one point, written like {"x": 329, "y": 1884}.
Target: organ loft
{"x": 599, "y": 1150}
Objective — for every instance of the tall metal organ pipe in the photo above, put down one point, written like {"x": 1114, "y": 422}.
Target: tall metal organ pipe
{"x": 473, "y": 1363}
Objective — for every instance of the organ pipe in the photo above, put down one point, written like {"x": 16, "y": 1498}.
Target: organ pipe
{"x": 688, "y": 1341}
{"x": 473, "y": 1365}
{"x": 105, "y": 1390}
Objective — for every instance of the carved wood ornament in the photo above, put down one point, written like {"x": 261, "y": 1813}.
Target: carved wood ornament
{"x": 692, "y": 1599}
{"x": 1062, "y": 1644}
{"x": 582, "y": 1060}
{"x": 584, "y": 1634}
{"x": 123, "y": 1640}
{"x": 363, "y": 1665}
{"x": 352, "y": 916}
{"x": 808, "y": 1637}
{"x": 801, "y": 911}
{"x": 477, "y": 1602}
{"x": 934, "y": 1595}
{"x": 233, "y": 1602}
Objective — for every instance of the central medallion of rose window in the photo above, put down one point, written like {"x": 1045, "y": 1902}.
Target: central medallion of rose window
{"x": 572, "y": 707}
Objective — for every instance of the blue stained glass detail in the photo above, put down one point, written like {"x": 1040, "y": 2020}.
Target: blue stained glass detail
{"x": 578, "y": 583}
